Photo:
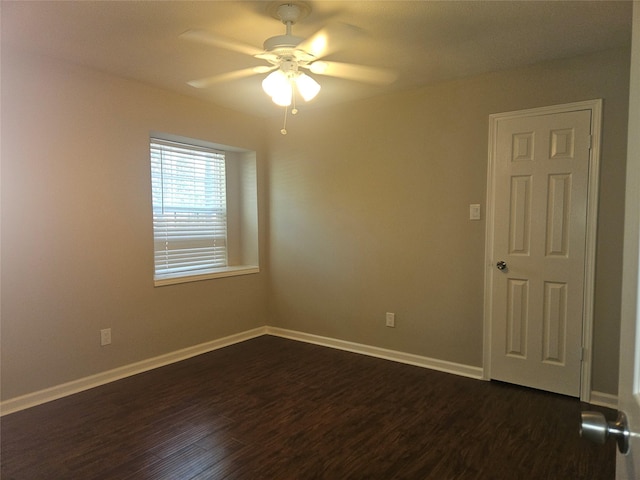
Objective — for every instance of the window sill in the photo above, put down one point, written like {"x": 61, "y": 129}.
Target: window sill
{"x": 215, "y": 273}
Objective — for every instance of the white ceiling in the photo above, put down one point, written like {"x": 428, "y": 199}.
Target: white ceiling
{"x": 423, "y": 41}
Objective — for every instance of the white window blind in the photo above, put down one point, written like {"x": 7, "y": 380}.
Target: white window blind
{"x": 189, "y": 208}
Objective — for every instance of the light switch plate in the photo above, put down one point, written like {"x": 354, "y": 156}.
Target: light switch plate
{"x": 474, "y": 211}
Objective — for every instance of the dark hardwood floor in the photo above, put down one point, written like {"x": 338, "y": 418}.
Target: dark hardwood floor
{"x": 271, "y": 408}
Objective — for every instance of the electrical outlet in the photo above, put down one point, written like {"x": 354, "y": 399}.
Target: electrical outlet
{"x": 391, "y": 319}
{"x": 105, "y": 336}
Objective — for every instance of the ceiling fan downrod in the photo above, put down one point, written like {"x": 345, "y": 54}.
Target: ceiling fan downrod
{"x": 288, "y": 14}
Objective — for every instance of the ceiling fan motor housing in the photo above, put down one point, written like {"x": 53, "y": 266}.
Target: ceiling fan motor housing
{"x": 281, "y": 42}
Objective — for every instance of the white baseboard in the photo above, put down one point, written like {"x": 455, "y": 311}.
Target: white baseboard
{"x": 53, "y": 393}
{"x": 394, "y": 355}
{"x": 76, "y": 386}
{"x": 604, "y": 400}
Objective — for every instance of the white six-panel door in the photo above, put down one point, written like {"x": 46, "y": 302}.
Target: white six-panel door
{"x": 628, "y": 466}
{"x": 539, "y": 230}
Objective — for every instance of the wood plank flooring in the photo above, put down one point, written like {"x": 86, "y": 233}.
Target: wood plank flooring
{"x": 271, "y": 408}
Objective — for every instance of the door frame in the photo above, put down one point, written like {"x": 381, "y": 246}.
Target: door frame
{"x": 591, "y": 230}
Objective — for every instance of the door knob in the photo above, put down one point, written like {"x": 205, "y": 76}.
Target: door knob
{"x": 501, "y": 265}
{"x": 596, "y": 428}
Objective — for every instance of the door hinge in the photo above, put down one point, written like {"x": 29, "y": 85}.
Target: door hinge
{"x": 590, "y": 142}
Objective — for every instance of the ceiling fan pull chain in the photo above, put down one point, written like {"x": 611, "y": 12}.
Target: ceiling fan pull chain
{"x": 294, "y": 110}
{"x": 284, "y": 127}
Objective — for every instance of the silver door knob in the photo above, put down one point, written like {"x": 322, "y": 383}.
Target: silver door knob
{"x": 501, "y": 265}
{"x": 596, "y": 428}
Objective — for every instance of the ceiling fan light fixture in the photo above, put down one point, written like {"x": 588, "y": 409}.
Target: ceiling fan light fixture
{"x": 307, "y": 87}
{"x": 284, "y": 97}
{"x": 275, "y": 82}
{"x": 279, "y": 87}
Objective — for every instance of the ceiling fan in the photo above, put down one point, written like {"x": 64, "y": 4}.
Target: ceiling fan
{"x": 288, "y": 55}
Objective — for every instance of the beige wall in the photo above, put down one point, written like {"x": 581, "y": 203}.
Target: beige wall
{"x": 369, "y": 208}
{"x": 77, "y": 245}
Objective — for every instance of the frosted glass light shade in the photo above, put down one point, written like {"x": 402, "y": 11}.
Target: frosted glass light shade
{"x": 283, "y": 96}
{"x": 278, "y": 86}
{"x": 274, "y": 82}
{"x": 307, "y": 87}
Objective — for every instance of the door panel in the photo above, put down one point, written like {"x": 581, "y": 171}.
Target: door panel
{"x": 628, "y": 466}
{"x": 518, "y": 307}
{"x": 541, "y": 176}
{"x": 520, "y": 218}
{"x": 558, "y": 215}
{"x": 554, "y": 323}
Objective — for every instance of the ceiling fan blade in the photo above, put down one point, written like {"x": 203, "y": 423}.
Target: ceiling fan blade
{"x": 247, "y": 72}
{"x": 360, "y": 73}
{"x": 268, "y": 56}
{"x": 329, "y": 39}
{"x": 203, "y": 36}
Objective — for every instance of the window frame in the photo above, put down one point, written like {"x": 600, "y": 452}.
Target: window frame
{"x": 241, "y": 199}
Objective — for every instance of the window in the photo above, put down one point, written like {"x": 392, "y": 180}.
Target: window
{"x": 195, "y": 237}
